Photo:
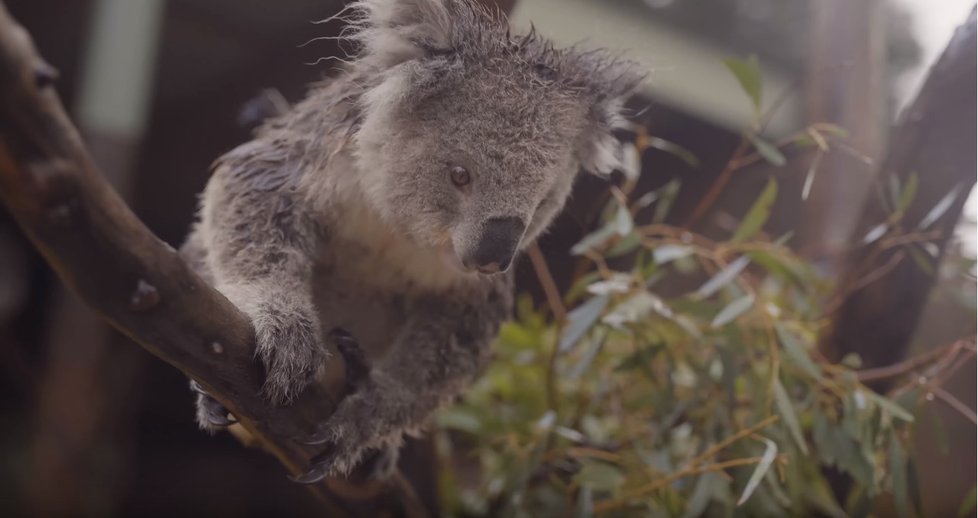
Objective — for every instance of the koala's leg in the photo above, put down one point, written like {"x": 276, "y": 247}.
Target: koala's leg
{"x": 260, "y": 243}
{"x": 436, "y": 357}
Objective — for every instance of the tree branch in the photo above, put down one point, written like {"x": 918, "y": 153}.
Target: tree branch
{"x": 50, "y": 185}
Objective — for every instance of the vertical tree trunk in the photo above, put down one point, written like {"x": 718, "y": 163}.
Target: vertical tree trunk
{"x": 936, "y": 141}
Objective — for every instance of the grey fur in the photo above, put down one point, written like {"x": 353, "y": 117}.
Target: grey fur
{"x": 340, "y": 213}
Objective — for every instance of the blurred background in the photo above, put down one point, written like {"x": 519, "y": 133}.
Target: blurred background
{"x": 93, "y": 425}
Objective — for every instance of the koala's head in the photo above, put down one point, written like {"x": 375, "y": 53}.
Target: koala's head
{"x": 470, "y": 138}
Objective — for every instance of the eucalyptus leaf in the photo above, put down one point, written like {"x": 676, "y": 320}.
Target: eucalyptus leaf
{"x": 624, "y": 245}
{"x": 624, "y": 224}
{"x": 806, "y": 189}
{"x": 796, "y": 352}
{"x": 907, "y": 193}
{"x": 666, "y": 253}
{"x": 938, "y": 209}
{"x": 769, "y": 152}
{"x": 594, "y": 239}
{"x": 600, "y": 476}
{"x": 875, "y": 233}
{"x": 757, "y": 215}
{"x": 748, "y": 74}
{"x": 920, "y": 259}
{"x": 666, "y": 199}
{"x": 631, "y": 165}
{"x": 723, "y": 277}
{"x": 890, "y": 407}
{"x": 675, "y": 150}
{"x": 733, "y": 310}
{"x": 770, "y": 453}
{"x": 898, "y": 473}
{"x": 581, "y": 319}
{"x": 787, "y": 411}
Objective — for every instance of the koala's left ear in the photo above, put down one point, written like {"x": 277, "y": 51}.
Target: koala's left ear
{"x": 599, "y": 151}
{"x": 394, "y": 31}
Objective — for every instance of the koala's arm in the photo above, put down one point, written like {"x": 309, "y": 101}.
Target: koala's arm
{"x": 260, "y": 241}
{"x": 441, "y": 351}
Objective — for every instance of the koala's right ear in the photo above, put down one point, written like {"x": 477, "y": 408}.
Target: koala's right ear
{"x": 394, "y": 31}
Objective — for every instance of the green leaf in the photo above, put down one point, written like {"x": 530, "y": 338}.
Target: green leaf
{"x": 770, "y": 453}
{"x": 833, "y": 129}
{"x": 699, "y": 499}
{"x": 623, "y": 221}
{"x": 787, "y": 411}
{"x": 898, "y": 476}
{"x": 875, "y": 233}
{"x": 796, "y": 352}
{"x": 907, "y": 193}
{"x": 938, "y": 209}
{"x": 748, "y": 74}
{"x": 892, "y": 408}
{"x": 758, "y": 213}
{"x": 600, "y": 476}
{"x": 588, "y": 358}
{"x": 920, "y": 258}
{"x": 723, "y": 277}
{"x": 675, "y": 150}
{"x": 581, "y": 319}
{"x": 458, "y": 418}
{"x": 940, "y": 431}
{"x": 639, "y": 358}
{"x": 631, "y": 165}
{"x": 806, "y": 189}
{"x": 769, "y": 152}
{"x": 666, "y": 253}
{"x": 624, "y": 245}
{"x": 666, "y": 199}
{"x": 733, "y": 310}
{"x": 594, "y": 239}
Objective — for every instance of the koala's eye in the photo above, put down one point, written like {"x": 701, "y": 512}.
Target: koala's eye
{"x": 431, "y": 51}
{"x": 460, "y": 176}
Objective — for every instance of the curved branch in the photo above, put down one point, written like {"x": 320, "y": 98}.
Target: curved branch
{"x": 51, "y": 186}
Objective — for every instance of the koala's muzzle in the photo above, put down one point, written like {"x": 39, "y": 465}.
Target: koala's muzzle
{"x": 496, "y": 246}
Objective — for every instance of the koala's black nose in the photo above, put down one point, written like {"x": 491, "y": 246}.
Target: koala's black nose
{"x": 497, "y": 245}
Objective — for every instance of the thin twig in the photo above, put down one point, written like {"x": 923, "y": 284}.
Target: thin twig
{"x": 955, "y": 403}
{"x": 547, "y": 283}
{"x": 910, "y": 364}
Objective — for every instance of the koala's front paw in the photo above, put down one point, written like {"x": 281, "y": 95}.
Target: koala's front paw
{"x": 289, "y": 346}
{"x": 211, "y": 415}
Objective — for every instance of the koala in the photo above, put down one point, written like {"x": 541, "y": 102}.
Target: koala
{"x": 385, "y": 210}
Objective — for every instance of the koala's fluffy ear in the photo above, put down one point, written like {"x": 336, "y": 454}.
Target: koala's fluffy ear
{"x": 394, "y": 31}
{"x": 599, "y": 151}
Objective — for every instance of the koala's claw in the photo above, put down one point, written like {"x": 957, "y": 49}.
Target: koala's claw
{"x": 354, "y": 360}
{"x": 320, "y": 466}
{"x": 211, "y": 414}
{"x": 380, "y": 466}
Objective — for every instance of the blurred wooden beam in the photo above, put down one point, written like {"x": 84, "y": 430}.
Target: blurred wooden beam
{"x": 844, "y": 86}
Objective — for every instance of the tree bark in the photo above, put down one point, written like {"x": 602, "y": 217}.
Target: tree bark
{"x": 936, "y": 141}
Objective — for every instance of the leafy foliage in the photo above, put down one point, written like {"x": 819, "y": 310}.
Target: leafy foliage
{"x": 703, "y": 395}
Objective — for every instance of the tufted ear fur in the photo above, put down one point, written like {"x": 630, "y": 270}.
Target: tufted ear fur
{"x": 613, "y": 82}
{"x": 394, "y": 31}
